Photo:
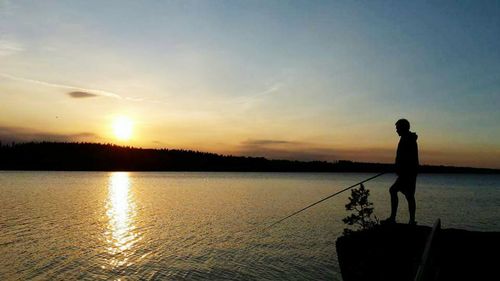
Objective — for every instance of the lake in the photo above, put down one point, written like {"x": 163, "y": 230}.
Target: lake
{"x": 199, "y": 226}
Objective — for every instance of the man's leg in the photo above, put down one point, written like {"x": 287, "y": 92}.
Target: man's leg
{"x": 410, "y": 197}
{"x": 411, "y": 207}
{"x": 394, "y": 200}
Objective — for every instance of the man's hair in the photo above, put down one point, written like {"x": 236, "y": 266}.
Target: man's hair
{"x": 403, "y": 124}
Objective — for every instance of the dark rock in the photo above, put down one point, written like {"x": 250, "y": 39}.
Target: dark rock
{"x": 393, "y": 252}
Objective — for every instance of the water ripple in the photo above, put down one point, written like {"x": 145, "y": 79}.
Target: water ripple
{"x": 182, "y": 226}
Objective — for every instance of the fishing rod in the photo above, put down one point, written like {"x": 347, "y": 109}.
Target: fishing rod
{"x": 328, "y": 197}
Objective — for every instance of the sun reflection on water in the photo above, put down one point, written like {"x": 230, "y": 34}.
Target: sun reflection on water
{"x": 121, "y": 235}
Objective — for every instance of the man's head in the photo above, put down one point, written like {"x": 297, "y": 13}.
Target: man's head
{"x": 402, "y": 127}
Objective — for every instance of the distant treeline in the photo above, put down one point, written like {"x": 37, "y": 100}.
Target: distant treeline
{"x": 62, "y": 156}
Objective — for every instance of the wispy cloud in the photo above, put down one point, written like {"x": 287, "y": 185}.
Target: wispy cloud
{"x": 62, "y": 86}
{"x": 8, "y": 48}
{"x": 296, "y": 150}
{"x": 78, "y": 95}
{"x": 79, "y": 92}
{"x": 259, "y": 95}
{"x": 271, "y": 89}
{"x": 22, "y": 134}
{"x": 284, "y": 149}
{"x": 268, "y": 142}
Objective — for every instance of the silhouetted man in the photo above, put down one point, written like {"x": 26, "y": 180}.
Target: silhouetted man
{"x": 406, "y": 169}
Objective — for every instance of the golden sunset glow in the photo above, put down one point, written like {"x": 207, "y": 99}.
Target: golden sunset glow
{"x": 121, "y": 212}
{"x": 122, "y": 127}
{"x": 330, "y": 92}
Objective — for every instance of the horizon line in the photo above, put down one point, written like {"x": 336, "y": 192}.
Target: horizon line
{"x": 231, "y": 155}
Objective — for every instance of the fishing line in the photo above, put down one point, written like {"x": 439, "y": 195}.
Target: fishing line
{"x": 317, "y": 202}
{"x": 245, "y": 235}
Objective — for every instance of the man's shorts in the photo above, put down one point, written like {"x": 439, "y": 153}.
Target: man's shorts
{"x": 405, "y": 184}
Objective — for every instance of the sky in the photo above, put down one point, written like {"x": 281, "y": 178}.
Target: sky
{"x": 305, "y": 80}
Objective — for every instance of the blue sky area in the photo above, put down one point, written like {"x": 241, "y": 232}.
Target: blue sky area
{"x": 284, "y": 79}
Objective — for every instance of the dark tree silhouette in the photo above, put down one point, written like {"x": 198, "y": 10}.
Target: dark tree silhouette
{"x": 362, "y": 210}
{"x": 109, "y": 157}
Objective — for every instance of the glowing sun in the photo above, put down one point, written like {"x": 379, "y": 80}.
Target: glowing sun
{"x": 122, "y": 127}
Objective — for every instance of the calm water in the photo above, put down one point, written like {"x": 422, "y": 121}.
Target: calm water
{"x": 197, "y": 226}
